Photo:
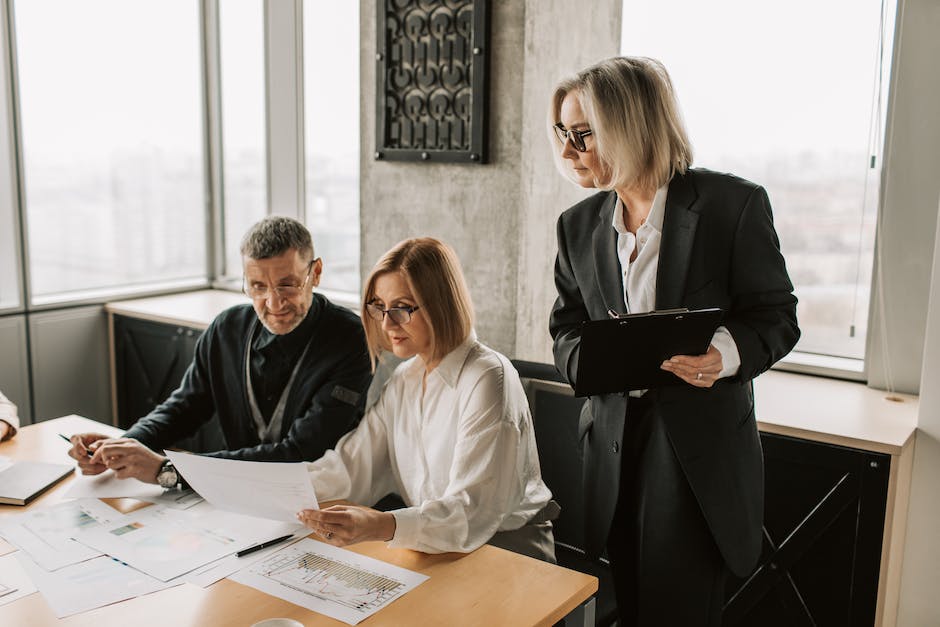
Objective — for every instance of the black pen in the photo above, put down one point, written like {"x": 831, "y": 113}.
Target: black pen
{"x": 69, "y": 440}
{"x": 263, "y": 545}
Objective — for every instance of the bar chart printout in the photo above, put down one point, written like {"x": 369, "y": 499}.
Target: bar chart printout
{"x": 332, "y": 581}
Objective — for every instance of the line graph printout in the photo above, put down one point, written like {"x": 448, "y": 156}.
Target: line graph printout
{"x": 46, "y": 533}
{"x": 329, "y": 580}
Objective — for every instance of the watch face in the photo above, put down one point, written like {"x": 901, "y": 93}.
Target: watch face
{"x": 167, "y": 477}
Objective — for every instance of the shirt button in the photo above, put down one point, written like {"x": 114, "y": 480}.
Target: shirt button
{"x": 615, "y": 447}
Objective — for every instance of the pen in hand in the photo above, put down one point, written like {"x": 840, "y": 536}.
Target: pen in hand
{"x": 69, "y": 440}
{"x": 263, "y": 545}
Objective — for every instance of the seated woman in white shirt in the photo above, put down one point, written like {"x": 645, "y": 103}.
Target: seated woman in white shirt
{"x": 9, "y": 422}
{"x": 451, "y": 432}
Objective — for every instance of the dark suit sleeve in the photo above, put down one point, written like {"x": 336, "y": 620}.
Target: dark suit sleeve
{"x": 189, "y": 407}
{"x": 568, "y": 312}
{"x": 762, "y": 316}
{"x": 343, "y": 368}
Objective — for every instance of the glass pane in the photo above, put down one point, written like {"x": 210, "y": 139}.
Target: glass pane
{"x": 10, "y": 291}
{"x": 112, "y": 142}
{"x": 241, "y": 43}
{"x": 331, "y": 121}
{"x": 798, "y": 111}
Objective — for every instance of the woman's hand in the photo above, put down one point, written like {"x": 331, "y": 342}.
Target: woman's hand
{"x": 701, "y": 371}
{"x": 348, "y": 524}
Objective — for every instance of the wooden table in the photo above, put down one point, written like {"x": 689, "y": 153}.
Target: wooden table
{"x": 487, "y": 587}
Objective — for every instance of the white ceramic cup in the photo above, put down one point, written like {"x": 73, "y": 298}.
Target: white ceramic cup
{"x": 279, "y": 622}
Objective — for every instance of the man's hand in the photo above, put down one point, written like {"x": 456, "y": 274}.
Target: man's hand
{"x": 83, "y": 445}
{"x": 348, "y": 524}
{"x": 701, "y": 370}
{"x": 128, "y": 458}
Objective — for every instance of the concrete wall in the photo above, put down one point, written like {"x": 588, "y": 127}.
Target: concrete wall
{"x": 499, "y": 216}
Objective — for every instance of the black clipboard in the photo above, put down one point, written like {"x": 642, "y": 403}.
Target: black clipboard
{"x": 624, "y": 353}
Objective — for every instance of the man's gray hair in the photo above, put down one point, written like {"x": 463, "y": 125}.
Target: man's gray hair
{"x": 275, "y": 235}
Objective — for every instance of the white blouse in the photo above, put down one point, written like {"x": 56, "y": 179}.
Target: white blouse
{"x": 461, "y": 455}
{"x": 8, "y": 415}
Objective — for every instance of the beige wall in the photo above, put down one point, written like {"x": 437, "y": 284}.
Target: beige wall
{"x": 498, "y": 216}
{"x": 910, "y": 272}
{"x": 908, "y": 212}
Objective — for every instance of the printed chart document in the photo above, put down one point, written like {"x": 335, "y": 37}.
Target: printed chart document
{"x": 220, "y": 569}
{"x": 82, "y": 587}
{"x": 275, "y": 490}
{"x": 14, "y": 582}
{"x": 108, "y": 486}
{"x": 46, "y": 534}
{"x": 329, "y": 580}
{"x": 167, "y": 543}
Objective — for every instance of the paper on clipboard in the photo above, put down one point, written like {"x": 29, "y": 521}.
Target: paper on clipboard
{"x": 625, "y": 353}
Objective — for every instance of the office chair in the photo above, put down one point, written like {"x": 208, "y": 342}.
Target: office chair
{"x": 555, "y": 413}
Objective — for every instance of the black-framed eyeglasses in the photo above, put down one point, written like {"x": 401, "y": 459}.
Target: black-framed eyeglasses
{"x": 576, "y": 137}
{"x": 284, "y": 292}
{"x": 398, "y": 315}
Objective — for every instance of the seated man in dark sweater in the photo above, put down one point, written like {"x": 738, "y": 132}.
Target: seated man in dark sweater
{"x": 287, "y": 375}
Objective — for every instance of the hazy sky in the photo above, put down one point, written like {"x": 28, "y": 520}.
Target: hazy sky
{"x": 762, "y": 77}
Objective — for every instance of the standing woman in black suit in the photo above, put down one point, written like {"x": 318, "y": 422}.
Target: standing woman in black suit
{"x": 673, "y": 476}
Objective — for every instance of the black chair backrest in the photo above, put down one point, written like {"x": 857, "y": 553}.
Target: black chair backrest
{"x": 555, "y": 414}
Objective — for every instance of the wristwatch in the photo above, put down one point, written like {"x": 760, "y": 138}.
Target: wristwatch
{"x": 167, "y": 476}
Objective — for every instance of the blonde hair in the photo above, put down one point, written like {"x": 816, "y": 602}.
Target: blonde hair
{"x": 432, "y": 270}
{"x": 631, "y": 107}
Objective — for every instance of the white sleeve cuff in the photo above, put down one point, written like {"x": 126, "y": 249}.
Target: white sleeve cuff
{"x": 407, "y": 521}
{"x": 730, "y": 358}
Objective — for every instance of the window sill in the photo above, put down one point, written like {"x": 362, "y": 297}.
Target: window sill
{"x": 823, "y": 366}
{"x": 835, "y": 412}
{"x": 99, "y": 296}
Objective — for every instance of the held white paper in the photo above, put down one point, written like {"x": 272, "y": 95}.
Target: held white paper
{"x": 275, "y": 490}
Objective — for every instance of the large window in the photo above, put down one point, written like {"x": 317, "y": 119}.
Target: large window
{"x": 112, "y": 144}
{"x": 331, "y": 121}
{"x": 790, "y": 95}
{"x": 241, "y": 47}
{"x": 9, "y": 233}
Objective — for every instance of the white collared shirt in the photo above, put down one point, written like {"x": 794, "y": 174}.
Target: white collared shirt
{"x": 461, "y": 455}
{"x": 8, "y": 415}
{"x": 638, "y": 277}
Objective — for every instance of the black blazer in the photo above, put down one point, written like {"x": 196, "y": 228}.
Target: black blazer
{"x": 718, "y": 249}
{"x": 326, "y": 401}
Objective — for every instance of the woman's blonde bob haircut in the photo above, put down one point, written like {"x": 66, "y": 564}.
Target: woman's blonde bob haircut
{"x": 638, "y": 132}
{"x": 432, "y": 270}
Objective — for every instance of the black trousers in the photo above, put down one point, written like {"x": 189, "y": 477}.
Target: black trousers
{"x": 667, "y": 569}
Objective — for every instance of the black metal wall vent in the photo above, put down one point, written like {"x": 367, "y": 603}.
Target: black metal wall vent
{"x": 431, "y": 89}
